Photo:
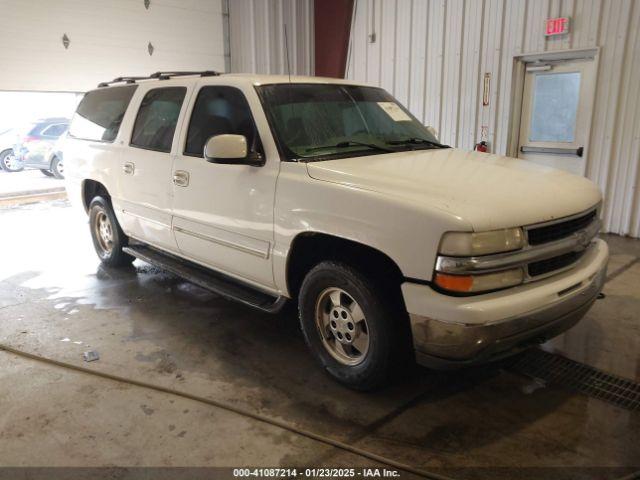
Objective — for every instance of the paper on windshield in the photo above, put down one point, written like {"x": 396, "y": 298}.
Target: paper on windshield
{"x": 394, "y": 111}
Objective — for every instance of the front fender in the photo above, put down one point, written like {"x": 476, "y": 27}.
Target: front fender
{"x": 407, "y": 233}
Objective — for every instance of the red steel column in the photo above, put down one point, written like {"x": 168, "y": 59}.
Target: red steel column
{"x": 332, "y": 28}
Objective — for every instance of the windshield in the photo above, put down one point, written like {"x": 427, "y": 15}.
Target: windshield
{"x": 318, "y": 121}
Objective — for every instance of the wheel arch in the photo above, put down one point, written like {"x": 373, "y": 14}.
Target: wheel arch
{"x": 92, "y": 189}
{"x": 310, "y": 248}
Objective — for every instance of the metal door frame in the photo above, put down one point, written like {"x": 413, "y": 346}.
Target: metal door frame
{"x": 517, "y": 92}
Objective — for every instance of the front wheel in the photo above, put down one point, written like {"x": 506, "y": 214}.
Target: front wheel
{"x": 46, "y": 173}
{"x": 108, "y": 237}
{"x": 351, "y": 325}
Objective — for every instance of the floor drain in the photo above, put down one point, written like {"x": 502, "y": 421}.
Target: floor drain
{"x": 557, "y": 370}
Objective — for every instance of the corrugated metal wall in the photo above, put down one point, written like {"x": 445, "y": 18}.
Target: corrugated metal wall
{"x": 432, "y": 55}
{"x": 256, "y": 31}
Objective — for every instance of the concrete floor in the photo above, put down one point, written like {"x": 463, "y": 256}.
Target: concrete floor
{"x": 56, "y": 301}
{"x": 26, "y": 181}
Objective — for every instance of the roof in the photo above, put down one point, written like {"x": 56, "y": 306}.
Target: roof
{"x": 252, "y": 78}
{"x": 257, "y": 79}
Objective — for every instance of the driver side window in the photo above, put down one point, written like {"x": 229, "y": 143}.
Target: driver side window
{"x": 217, "y": 111}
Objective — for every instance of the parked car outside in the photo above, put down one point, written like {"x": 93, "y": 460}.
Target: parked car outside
{"x": 8, "y": 140}
{"x": 36, "y": 149}
{"x": 331, "y": 194}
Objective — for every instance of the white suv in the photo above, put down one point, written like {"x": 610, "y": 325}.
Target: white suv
{"x": 330, "y": 193}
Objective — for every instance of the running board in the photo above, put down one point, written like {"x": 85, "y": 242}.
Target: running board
{"x": 221, "y": 284}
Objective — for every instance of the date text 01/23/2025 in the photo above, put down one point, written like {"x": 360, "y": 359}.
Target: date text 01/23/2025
{"x": 315, "y": 472}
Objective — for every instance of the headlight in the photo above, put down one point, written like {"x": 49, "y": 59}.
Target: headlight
{"x": 479, "y": 283}
{"x": 467, "y": 244}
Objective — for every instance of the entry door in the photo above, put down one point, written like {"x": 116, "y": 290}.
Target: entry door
{"x": 223, "y": 214}
{"x": 556, "y": 114}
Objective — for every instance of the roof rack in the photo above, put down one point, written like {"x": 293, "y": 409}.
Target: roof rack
{"x": 159, "y": 76}
{"x": 167, "y": 75}
{"x": 121, "y": 80}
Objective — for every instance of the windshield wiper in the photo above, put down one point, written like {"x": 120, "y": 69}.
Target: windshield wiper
{"x": 351, "y": 143}
{"x": 417, "y": 141}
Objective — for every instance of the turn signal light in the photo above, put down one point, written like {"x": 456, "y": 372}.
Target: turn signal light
{"x": 480, "y": 283}
{"x": 455, "y": 283}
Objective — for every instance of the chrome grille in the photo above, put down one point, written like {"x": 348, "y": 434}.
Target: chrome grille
{"x": 556, "y": 231}
{"x": 552, "y": 264}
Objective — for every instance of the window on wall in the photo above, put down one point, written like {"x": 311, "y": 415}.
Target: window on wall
{"x": 555, "y": 107}
{"x": 157, "y": 119}
{"x": 220, "y": 110}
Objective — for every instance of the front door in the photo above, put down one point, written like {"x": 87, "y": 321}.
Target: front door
{"x": 556, "y": 114}
{"x": 223, "y": 214}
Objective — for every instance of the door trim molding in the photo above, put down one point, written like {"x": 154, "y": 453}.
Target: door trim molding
{"x": 224, "y": 243}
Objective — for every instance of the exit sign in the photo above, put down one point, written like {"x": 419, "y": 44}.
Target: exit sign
{"x": 556, "y": 26}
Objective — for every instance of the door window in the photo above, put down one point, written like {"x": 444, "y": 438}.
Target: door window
{"x": 555, "y": 105}
{"x": 157, "y": 119}
{"x": 217, "y": 111}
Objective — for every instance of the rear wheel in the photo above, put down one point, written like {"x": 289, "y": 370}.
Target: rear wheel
{"x": 57, "y": 167}
{"x": 9, "y": 162}
{"x": 108, "y": 237}
{"x": 351, "y": 325}
{"x": 46, "y": 172}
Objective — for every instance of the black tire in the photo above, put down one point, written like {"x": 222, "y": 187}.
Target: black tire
{"x": 3, "y": 162}
{"x": 110, "y": 253}
{"x": 57, "y": 168}
{"x": 46, "y": 173}
{"x": 385, "y": 321}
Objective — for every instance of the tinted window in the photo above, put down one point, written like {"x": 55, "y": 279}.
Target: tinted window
{"x": 157, "y": 118}
{"x": 55, "y": 130}
{"x": 220, "y": 110}
{"x": 100, "y": 113}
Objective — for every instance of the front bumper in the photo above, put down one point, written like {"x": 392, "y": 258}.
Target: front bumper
{"x": 458, "y": 331}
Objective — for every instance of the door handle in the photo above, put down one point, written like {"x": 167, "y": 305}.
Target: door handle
{"x": 181, "y": 178}
{"x": 128, "y": 168}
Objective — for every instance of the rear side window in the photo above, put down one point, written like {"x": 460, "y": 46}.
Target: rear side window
{"x": 55, "y": 130}
{"x": 100, "y": 113}
{"x": 157, "y": 119}
{"x": 220, "y": 110}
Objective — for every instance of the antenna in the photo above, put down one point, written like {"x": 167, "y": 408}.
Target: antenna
{"x": 286, "y": 49}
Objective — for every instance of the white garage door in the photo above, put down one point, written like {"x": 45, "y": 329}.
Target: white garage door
{"x": 106, "y": 39}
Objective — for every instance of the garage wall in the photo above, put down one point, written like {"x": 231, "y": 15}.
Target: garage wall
{"x": 107, "y": 39}
{"x": 432, "y": 55}
{"x": 256, "y": 31}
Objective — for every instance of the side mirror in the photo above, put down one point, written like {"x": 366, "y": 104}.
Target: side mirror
{"x": 433, "y": 132}
{"x": 230, "y": 149}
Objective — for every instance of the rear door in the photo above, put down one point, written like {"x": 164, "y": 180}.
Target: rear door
{"x": 145, "y": 165}
{"x": 223, "y": 214}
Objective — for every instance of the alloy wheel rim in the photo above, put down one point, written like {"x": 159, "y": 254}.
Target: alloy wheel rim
{"x": 8, "y": 161}
{"x": 342, "y": 326}
{"x": 103, "y": 232}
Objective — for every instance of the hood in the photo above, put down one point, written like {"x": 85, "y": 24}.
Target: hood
{"x": 488, "y": 191}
